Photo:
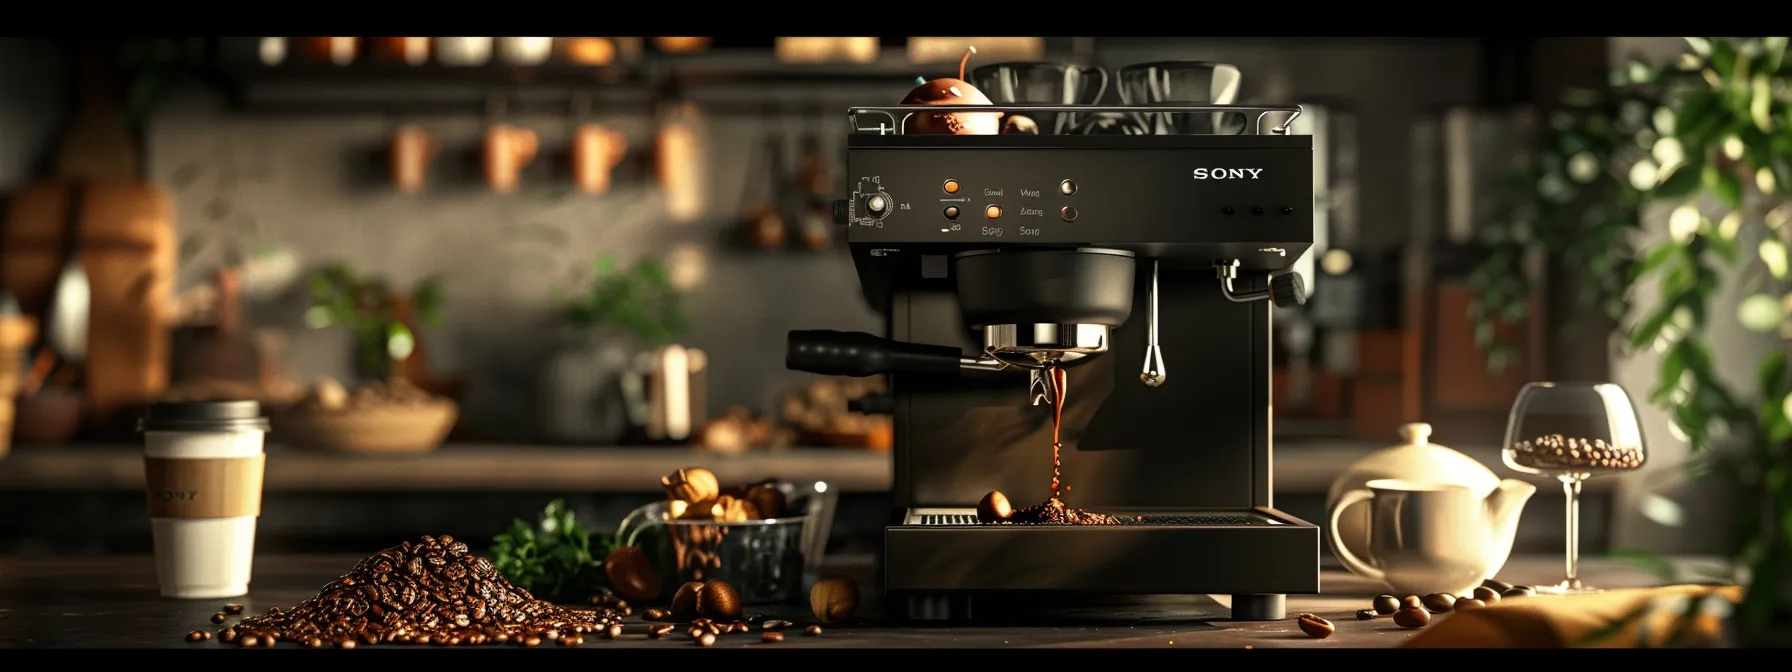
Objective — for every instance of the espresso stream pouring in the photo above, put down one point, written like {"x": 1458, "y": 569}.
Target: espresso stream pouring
{"x": 1054, "y": 262}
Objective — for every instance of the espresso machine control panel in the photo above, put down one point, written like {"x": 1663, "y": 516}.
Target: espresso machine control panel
{"x": 1242, "y": 196}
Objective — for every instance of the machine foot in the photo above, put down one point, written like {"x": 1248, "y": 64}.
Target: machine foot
{"x": 935, "y": 607}
{"x": 1259, "y": 607}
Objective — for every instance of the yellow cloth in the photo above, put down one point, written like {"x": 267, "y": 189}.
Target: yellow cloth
{"x": 1548, "y": 621}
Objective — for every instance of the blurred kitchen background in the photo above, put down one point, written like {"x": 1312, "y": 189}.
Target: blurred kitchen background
{"x": 594, "y": 247}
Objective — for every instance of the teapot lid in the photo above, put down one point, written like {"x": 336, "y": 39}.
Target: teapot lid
{"x": 1416, "y": 433}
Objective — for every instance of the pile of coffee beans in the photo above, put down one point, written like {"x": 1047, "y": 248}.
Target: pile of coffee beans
{"x": 1414, "y": 611}
{"x": 1555, "y": 452}
{"x": 432, "y": 592}
{"x": 1055, "y": 512}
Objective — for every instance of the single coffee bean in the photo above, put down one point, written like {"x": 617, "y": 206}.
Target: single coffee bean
{"x": 1519, "y": 591}
{"x": 196, "y": 635}
{"x": 531, "y": 641}
{"x": 614, "y": 631}
{"x": 696, "y": 632}
{"x": 775, "y": 624}
{"x": 708, "y": 639}
{"x": 771, "y": 637}
{"x": 1498, "y": 585}
{"x": 1469, "y": 603}
{"x": 227, "y": 634}
{"x": 1412, "y": 617}
{"x": 1439, "y": 603}
{"x": 248, "y": 641}
{"x": 315, "y": 643}
{"x": 573, "y": 640}
{"x": 1488, "y": 595}
{"x": 1386, "y": 604}
{"x": 1366, "y": 614}
{"x": 742, "y": 628}
{"x": 1315, "y": 627}
{"x": 233, "y": 609}
{"x": 219, "y": 617}
{"x": 1412, "y": 602}
{"x": 653, "y": 615}
{"x": 813, "y": 630}
{"x": 345, "y": 643}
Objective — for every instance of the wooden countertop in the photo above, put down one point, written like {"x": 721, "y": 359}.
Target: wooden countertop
{"x": 112, "y": 602}
{"x": 1301, "y": 467}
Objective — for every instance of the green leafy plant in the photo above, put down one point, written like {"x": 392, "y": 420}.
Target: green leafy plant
{"x": 368, "y": 307}
{"x": 554, "y": 557}
{"x": 1691, "y": 135}
{"x": 153, "y": 66}
{"x": 639, "y": 299}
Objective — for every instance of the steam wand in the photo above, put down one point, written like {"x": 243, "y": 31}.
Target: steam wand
{"x": 1154, "y": 373}
{"x": 1285, "y": 290}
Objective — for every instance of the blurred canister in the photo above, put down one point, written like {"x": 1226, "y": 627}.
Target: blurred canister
{"x": 203, "y": 465}
{"x": 17, "y": 332}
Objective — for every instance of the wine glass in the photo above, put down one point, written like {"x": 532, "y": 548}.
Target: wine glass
{"x": 1573, "y": 431}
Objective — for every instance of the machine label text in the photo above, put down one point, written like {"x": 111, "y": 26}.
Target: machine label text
{"x": 904, "y": 206}
{"x": 1031, "y": 212}
{"x": 993, "y": 231}
{"x": 1028, "y": 232}
{"x": 1030, "y": 193}
{"x": 992, "y": 192}
{"x": 1227, "y": 173}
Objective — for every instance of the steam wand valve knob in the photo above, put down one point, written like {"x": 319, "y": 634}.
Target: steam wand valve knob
{"x": 1287, "y": 290}
{"x": 842, "y": 212}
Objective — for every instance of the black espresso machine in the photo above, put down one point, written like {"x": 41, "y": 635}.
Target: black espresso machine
{"x": 1120, "y": 258}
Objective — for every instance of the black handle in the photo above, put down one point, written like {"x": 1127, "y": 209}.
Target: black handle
{"x": 853, "y": 353}
{"x": 877, "y": 404}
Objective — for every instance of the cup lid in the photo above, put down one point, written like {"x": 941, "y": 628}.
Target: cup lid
{"x": 204, "y": 416}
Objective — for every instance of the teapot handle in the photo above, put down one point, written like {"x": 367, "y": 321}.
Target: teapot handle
{"x": 1355, "y": 564}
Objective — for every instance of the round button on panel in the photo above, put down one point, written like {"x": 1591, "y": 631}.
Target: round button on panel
{"x": 1067, "y": 188}
{"x": 1068, "y": 213}
{"x": 951, "y": 212}
{"x": 877, "y": 204}
{"x": 951, "y": 186}
{"x": 994, "y": 211}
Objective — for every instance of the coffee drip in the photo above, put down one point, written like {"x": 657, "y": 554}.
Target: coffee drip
{"x": 1054, "y": 511}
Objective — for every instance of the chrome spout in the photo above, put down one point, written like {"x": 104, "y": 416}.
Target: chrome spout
{"x": 1153, "y": 373}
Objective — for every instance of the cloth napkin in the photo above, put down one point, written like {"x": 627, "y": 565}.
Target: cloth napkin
{"x": 1546, "y": 621}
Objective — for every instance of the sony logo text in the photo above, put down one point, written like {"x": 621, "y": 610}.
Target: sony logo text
{"x": 1227, "y": 173}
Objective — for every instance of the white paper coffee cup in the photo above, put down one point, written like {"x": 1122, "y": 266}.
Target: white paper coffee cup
{"x": 203, "y": 464}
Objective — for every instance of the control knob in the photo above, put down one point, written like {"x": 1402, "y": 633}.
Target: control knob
{"x": 1287, "y": 290}
{"x": 878, "y": 205}
{"x": 842, "y": 212}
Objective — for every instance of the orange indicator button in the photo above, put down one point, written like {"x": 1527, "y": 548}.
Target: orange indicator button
{"x": 994, "y": 211}
{"x": 951, "y": 186}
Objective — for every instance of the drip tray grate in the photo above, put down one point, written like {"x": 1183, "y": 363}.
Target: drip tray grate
{"x": 1171, "y": 519}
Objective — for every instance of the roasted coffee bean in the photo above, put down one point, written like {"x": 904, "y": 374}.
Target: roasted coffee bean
{"x": 1366, "y": 614}
{"x": 1485, "y": 594}
{"x": 574, "y": 640}
{"x": 614, "y": 631}
{"x": 1412, "y": 602}
{"x": 1496, "y": 584}
{"x": 718, "y": 600}
{"x": 233, "y": 609}
{"x": 771, "y": 637}
{"x": 197, "y": 636}
{"x": 1469, "y": 603}
{"x": 659, "y": 631}
{"x": 706, "y": 639}
{"x": 1386, "y": 604}
{"x": 684, "y": 601}
{"x": 742, "y": 628}
{"x": 653, "y": 615}
{"x": 1439, "y": 603}
{"x": 812, "y": 630}
{"x": 1519, "y": 591}
{"x": 696, "y": 632}
{"x": 531, "y": 641}
{"x": 227, "y": 634}
{"x": 1315, "y": 627}
{"x": 219, "y": 617}
{"x": 776, "y": 625}
{"x": 345, "y": 643}
{"x": 1412, "y": 617}
{"x": 248, "y": 641}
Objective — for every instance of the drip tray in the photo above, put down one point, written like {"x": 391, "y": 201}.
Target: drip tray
{"x": 968, "y": 517}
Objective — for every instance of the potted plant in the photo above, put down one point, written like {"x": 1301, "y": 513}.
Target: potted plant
{"x": 619, "y": 312}
{"x": 383, "y": 322}
{"x": 1709, "y": 137}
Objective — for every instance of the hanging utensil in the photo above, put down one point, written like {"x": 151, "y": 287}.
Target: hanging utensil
{"x": 814, "y": 183}
{"x": 764, "y": 222}
{"x": 65, "y": 332}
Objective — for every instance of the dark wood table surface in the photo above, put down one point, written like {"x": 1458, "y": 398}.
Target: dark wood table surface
{"x": 112, "y": 602}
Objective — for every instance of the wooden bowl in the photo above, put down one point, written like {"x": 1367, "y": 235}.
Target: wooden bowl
{"x": 398, "y": 429}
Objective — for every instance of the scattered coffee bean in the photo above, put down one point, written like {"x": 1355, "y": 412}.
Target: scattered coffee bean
{"x": 228, "y": 635}
{"x": 776, "y": 625}
{"x": 531, "y": 641}
{"x": 1487, "y": 595}
{"x": 653, "y": 615}
{"x": 1386, "y": 604}
{"x": 708, "y": 639}
{"x": 658, "y": 631}
{"x": 771, "y": 637}
{"x": 572, "y": 640}
{"x": 219, "y": 617}
{"x": 198, "y": 636}
{"x": 1412, "y": 602}
{"x": 1366, "y": 614}
{"x": 315, "y": 643}
{"x": 1519, "y": 591}
{"x": 249, "y": 641}
{"x": 1315, "y": 627}
{"x": 345, "y": 643}
{"x": 1439, "y": 603}
{"x": 1412, "y": 617}
{"x": 742, "y": 628}
{"x": 233, "y": 609}
{"x": 1469, "y": 603}
{"x": 812, "y": 630}
{"x": 614, "y": 632}
{"x": 695, "y": 632}
{"x": 1498, "y": 585}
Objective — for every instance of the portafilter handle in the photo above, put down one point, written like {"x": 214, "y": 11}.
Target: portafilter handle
{"x": 858, "y": 354}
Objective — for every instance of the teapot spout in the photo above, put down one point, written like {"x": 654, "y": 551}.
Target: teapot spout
{"x": 1505, "y": 506}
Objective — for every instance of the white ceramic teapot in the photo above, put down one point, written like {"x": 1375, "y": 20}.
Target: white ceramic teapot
{"x": 1416, "y": 461}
